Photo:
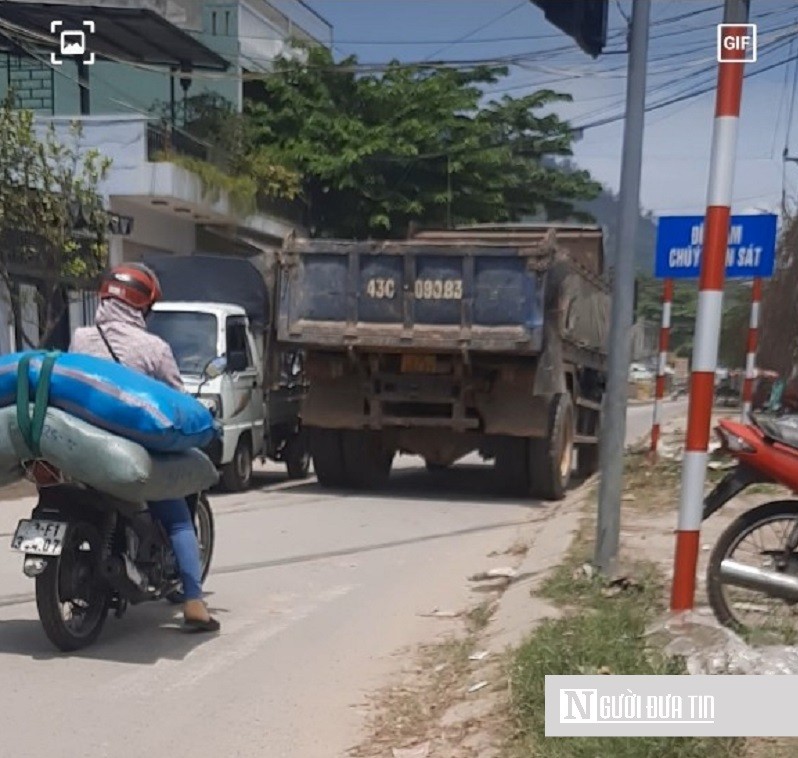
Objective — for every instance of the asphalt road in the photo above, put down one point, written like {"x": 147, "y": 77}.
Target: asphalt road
{"x": 318, "y": 594}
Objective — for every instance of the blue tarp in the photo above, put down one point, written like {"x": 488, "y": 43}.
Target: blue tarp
{"x": 116, "y": 399}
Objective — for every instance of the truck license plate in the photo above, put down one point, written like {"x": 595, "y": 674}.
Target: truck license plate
{"x": 419, "y": 364}
{"x": 39, "y": 537}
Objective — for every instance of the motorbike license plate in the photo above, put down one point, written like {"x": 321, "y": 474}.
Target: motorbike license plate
{"x": 419, "y": 364}
{"x": 39, "y": 537}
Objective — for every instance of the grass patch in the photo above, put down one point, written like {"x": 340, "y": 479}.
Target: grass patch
{"x": 652, "y": 485}
{"x": 608, "y": 639}
{"x": 603, "y": 632}
{"x": 771, "y": 490}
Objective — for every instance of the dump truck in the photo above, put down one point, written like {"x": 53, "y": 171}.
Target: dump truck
{"x": 219, "y": 306}
{"x": 489, "y": 339}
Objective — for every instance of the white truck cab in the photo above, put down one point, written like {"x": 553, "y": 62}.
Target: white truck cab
{"x": 218, "y": 307}
{"x": 198, "y": 333}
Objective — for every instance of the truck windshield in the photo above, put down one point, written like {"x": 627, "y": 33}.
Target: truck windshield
{"x": 191, "y": 335}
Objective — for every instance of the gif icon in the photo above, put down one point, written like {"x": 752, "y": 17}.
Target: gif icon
{"x": 737, "y": 43}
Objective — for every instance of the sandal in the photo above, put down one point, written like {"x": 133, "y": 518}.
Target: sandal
{"x": 199, "y": 625}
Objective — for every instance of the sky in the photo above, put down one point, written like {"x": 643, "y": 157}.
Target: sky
{"x": 681, "y": 60}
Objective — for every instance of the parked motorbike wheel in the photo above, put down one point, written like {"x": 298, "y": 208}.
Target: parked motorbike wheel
{"x": 761, "y": 539}
{"x": 71, "y": 599}
{"x": 206, "y": 537}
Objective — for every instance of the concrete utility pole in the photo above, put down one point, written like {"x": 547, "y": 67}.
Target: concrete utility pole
{"x": 613, "y": 431}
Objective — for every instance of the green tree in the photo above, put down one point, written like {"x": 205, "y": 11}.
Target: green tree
{"x": 53, "y": 223}
{"x": 778, "y": 339}
{"x": 734, "y": 328}
{"x": 734, "y": 325}
{"x": 683, "y": 311}
{"x": 377, "y": 151}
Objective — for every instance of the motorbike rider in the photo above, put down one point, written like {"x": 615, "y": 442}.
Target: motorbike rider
{"x": 127, "y": 293}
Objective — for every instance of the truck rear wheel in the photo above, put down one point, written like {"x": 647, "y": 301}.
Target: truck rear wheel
{"x": 551, "y": 457}
{"x": 367, "y": 459}
{"x": 237, "y": 475}
{"x": 326, "y": 449}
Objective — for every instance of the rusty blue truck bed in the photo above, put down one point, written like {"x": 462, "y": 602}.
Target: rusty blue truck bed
{"x": 464, "y": 290}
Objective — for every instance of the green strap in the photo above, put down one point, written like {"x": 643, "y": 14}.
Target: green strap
{"x": 32, "y": 425}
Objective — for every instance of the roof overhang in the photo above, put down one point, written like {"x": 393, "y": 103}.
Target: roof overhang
{"x": 130, "y": 35}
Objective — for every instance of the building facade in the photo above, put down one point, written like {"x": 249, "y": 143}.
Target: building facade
{"x": 169, "y": 209}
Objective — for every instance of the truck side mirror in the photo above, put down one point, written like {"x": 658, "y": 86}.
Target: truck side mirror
{"x": 237, "y": 361}
{"x": 214, "y": 368}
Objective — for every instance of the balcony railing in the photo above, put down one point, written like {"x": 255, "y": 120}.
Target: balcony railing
{"x": 162, "y": 140}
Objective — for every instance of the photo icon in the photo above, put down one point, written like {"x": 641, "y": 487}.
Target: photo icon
{"x": 73, "y": 43}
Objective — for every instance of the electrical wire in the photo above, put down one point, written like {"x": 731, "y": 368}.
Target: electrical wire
{"x": 478, "y": 29}
{"x": 701, "y": 90}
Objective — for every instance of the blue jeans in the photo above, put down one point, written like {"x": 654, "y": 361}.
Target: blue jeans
{"x": 176, "y": 519}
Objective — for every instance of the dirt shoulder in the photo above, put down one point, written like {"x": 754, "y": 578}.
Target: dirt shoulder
{"x": 479, "y": 693}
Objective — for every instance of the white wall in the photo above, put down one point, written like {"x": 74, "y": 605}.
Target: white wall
{"x": 123, "y": 139}
{"x": 155, "y": 230}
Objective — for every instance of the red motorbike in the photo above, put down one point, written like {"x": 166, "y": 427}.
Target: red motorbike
{"x": 752, "y": 577}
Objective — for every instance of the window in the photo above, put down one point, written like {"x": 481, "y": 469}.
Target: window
{"x": 192, "y": 337}
{"x": 227, "y": 23}
{"x": 213, "y": 23}
{"x": 237, "y": 341}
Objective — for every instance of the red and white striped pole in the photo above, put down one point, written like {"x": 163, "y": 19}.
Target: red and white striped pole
{"x": 709, "y": 313}
{"x": 664, "y": 339}
{"x": 750, "y": 351}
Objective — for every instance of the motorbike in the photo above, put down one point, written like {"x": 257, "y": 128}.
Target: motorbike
{"x": 91, "y": 553}
{"x": 752, "y": 576}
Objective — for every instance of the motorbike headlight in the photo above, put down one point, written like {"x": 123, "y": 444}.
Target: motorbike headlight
{"x": 213, "y": 403}
{"x": 733, "y": 443}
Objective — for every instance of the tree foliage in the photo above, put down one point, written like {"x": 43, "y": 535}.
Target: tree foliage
{"x": 734, "y": 324}
{"x": 376, "y": 151}
{"x": 778, "y": 343}
{"x": 53, "y": 223}
{"x": 220, "y": 151}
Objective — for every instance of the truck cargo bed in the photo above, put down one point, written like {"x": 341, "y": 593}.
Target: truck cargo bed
{"x": 484, "y": 292}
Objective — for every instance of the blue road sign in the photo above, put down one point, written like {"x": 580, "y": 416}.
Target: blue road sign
{"x": 751, "y": 252}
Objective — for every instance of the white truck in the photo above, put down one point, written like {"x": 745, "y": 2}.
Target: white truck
{"x": 219, "y": 306}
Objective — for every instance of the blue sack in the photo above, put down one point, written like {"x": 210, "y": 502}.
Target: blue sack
{"x": 117, "y": 399}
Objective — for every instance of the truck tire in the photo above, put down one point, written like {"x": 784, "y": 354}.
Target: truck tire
{"x": 237, "y": 475}
{"x": 367, "y": 459}
{"x": 326, "y": 449}
{"x": 512, "y": 466}
{"x": 551, "y": 457}
{"x": 297, "y": 455}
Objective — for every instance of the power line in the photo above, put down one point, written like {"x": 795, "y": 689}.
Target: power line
{"x": 690, "y": 94}
{"x": 479, "y": 28}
